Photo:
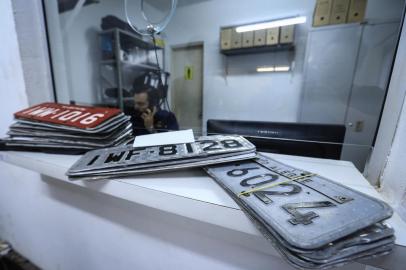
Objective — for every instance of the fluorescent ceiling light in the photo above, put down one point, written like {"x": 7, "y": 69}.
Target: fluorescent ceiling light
{"x": 273, "y": 69}
{"x": 270, "y": 24}
{"x": 282, "y": 68}
{"x": 265, "y": 69}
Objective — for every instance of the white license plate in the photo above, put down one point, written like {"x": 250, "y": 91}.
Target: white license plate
{"x": 309, "y": 212}
{"x": 127, "y": 156}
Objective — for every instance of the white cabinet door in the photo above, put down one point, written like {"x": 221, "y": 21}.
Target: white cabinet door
{"x": 368, "y": 90}
{"x": 329, "y": 70}
{"x": 346, "y": 73}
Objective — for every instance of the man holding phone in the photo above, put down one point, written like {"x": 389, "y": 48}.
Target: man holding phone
{"x": 148, "y": 116}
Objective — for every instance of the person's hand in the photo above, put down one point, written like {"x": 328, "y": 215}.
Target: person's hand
{"x": 148, "y": 117}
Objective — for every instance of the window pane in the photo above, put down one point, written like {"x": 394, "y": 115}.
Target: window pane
{"x": 315, "y": 88}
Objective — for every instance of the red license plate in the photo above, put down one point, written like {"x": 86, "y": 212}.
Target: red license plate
{"x": 83, "y": 117}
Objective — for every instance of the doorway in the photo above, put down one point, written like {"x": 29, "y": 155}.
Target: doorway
{"x": 187, "y": 86}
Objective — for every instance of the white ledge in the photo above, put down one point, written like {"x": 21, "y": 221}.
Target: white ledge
{"x": 192, "y": 194}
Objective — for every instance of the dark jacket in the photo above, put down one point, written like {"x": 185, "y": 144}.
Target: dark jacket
{"x": 163, "y": 121}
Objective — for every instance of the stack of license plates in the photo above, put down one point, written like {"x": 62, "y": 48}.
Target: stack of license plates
{"x": 60, "y": 128}
{"x": 313, "y": 222}
{"x": 124, "y": 161}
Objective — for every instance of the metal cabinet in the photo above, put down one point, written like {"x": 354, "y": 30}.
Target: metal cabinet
{"x": 346, "y": 72}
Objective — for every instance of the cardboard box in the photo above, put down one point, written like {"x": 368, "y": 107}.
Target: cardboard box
{"x": 272, "y": 36}
{"x": 356, "y": 12}
{"x": 236, "y": 39}
{"x": 287, "y": 34}
{"x": 248, "y": 39}
{"x": 259, "y": 37}
{"x": 225, "y": 38}
{"x": 322, "y": 12}
{"x": 339, "y": 11}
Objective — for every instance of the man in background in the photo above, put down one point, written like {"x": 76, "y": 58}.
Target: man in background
{"x": 148, "y": 117}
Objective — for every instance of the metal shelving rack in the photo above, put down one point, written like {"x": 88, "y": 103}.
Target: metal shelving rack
{"x": 120, "y": 66}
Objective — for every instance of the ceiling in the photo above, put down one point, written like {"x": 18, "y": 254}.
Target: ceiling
{"x": 66, "y": 5}
{"x": 164, "y": 4}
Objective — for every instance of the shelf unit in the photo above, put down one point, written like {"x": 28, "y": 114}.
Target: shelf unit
{"x": 120, "y": 41}
{"x": 276, "y": 41}
{"x": 259, "y": 49}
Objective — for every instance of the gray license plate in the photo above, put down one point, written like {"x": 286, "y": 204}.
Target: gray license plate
{"x": 309, "y": 212}
{"x": 154, "y": 168}
{"x": 127, "y": 156}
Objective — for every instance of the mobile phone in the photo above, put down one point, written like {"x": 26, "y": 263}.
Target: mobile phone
{"x": 151, "y": 108}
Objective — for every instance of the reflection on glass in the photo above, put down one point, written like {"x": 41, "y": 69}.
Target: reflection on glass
{"x": 148, "y": 117}
{"x": 288, "y": 84}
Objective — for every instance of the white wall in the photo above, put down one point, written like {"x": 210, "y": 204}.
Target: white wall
{"x": 243, "y": 94}
{"x": 82, "y": 49}
{"x": 57, "y": 52}
{"x": 58, "y": 226}
{"x": 394, "y": 176}
{"x": 239, "y": 94}
{"x": 392, "y": 136}
{"x": 76, "y": 47}
{"x": 390, "y": 121}
{"x": 12, "y": 87}
{"x": 34, "y": 50}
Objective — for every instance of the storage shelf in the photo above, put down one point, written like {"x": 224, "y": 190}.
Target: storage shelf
{"x": 259, "y": 49}
{"x": 114, "y": 41}
{"x": 135, "y": 40}
{"x": 129, "y": 65}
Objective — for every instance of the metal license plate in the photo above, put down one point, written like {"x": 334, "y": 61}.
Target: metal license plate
{"x": 74, "y": 141}
{"x": 307, "y": 211}
{"x": 81, "y": 117}
{"x": 93, "y": 137}
{"x": 349, "y": 251}
{"x": 371, "y": 234}
{"x": 66, "y": 138}
{"x": 39, "y": 145}
{"x": 369, "y": 238}
{"x": 127, "y": 155}
{"x": 123, "y": 139}
{"x": 289, "y": 252}
{"x": 18, "y": 126}
{"x": 171, "y": 162}
{"x": 369, "y": 254}
{"x": 130, "y": 171}
{"x": 105, "y": 127}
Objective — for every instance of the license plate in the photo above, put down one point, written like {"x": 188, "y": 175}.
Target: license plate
{"x": 81, "y": 117}
{"x": 128, "y": 156}
{"x": 305, "y": 210}
{"x": 158, "y": 168}
{"x": 41, "y": 133}
{"x": 114, "y": 123}
{"x": 75, "y": 141}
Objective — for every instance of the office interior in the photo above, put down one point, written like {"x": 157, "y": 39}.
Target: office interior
{"x": 328, "y": 89}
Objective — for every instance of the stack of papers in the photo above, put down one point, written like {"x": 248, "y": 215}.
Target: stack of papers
{"x": 313, "y": 222}
{"x": 124, "y": 161}
{"x": 62, "y": 128}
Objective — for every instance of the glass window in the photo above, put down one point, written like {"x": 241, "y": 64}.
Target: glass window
{"x": 314, "y": 87}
